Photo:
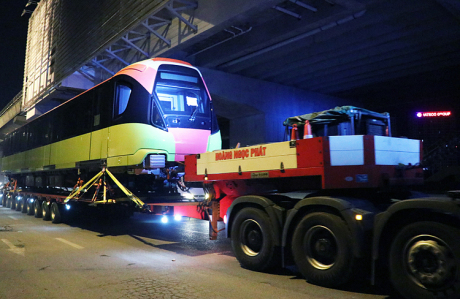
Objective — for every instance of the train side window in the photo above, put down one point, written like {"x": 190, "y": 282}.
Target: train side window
{"x": 122, "y": 95}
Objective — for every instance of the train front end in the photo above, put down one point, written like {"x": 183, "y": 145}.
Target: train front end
{"x": 181, "y": 119}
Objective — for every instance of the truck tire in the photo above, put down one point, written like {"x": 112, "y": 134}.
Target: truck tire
{"x": 425, "y": 261}
{"x": 30, "y": 206}
{"x": 46, "y": 211}
{"x": 253, "y": 240}
{"x": 322, "y": 249}
{"x": 38, "y": 212}
{"x": 55, "y": 213}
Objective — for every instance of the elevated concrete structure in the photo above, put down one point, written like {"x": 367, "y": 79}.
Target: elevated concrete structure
{"x": 268, "y": 58}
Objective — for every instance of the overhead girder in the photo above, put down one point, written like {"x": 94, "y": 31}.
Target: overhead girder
{"x": 136, "y": 43}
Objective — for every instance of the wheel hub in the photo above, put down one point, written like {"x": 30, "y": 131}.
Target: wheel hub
{"x": 324, "y": 247}
{"x": 430, "y": 262}
{"x": 251, "y": 237}
{"x": 321, "y": 247}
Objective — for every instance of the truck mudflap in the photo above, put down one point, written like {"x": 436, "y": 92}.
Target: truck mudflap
{"x": 418, "y": 240}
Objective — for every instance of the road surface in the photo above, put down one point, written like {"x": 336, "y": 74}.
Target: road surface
{"x": 137, "y": 258}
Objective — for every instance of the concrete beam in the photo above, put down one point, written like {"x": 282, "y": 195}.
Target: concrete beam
{"x": 265, "y": 105}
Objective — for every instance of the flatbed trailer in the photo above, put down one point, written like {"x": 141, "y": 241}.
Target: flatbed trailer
{"x": 329, "y": 204}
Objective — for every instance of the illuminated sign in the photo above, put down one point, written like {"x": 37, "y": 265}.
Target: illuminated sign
{"x": 434, "y": 114}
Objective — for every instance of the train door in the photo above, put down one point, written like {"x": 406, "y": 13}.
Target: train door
{"x": 102, "y": 102}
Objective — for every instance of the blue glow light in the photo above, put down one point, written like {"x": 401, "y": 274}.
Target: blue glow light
{"x": 164, "y": 219}
{"x": 67, "y": 207}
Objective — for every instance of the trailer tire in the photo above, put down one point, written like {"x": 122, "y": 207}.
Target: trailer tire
{"x": 24, "y": 205}
{"x": 30, "y": 206}
{"x": 8, "y": 201}
{"x": 322, "y": 249}
{"x": 4, "y": 198}
{"x": 13, "y": 202}
{"x": 38, "y": 212}
{"x": 46, "y": 211}
{"x": 56, "y": 216}
{"x": 253, "y": 240}
{"x": 425, "y": 261}
{"x": 19, "y": 203}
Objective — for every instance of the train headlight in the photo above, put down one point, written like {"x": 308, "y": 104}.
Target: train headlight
{"x": 164, "y": 219}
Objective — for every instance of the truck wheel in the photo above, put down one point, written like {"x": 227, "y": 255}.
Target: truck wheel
{"x": 46, "y": 211}
{"x": 253, "y": 240}
{"x": 321, "y": 246}
{"x": 55, "y": 213}
{"x": 30, "y": 206}
{"x": 38, "y": 213}
{"x": 425, "y": 261}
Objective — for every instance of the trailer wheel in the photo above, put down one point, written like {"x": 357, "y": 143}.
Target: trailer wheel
{"x": 46, "y": 211}
{"x": 253, "y": 240}
{"x": 19, "y": 201}
{"x": 425, "y": 261}
{"x": 321, "y": 246}
{"x": 24, "y": 202}
{"x": 38, "y": 213}
{"x": 8, "y": 202}
{"x": 4, "y": 198}
{"x": 12, "y": 202}
{"x": 30, "y": 206}
{"x": 55, "y": 213}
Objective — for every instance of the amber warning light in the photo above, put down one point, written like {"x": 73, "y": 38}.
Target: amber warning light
{"x": 434, "y": 114}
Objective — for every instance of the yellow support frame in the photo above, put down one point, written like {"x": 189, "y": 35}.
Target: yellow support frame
{"x": 95, "y": 179}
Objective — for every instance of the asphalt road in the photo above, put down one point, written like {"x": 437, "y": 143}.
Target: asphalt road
{"x": 137, "y": 258}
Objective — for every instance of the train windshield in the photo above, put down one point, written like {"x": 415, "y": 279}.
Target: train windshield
{"x": 182, "y": 97}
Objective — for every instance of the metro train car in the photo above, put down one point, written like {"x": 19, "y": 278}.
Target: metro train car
{"x": 143, "y": 120}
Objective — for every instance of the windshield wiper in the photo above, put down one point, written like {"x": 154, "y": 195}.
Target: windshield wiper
{"x": 193, "y": 115}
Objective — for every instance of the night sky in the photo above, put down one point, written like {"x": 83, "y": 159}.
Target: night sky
{"x": 13, "y": 34}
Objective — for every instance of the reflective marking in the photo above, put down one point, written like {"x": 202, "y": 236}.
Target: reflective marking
{"x": 12, "y": 217}
{"x": 346, "y": 150}
{"x": 14, "y": 248}
{"x": 70, "y": 243}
